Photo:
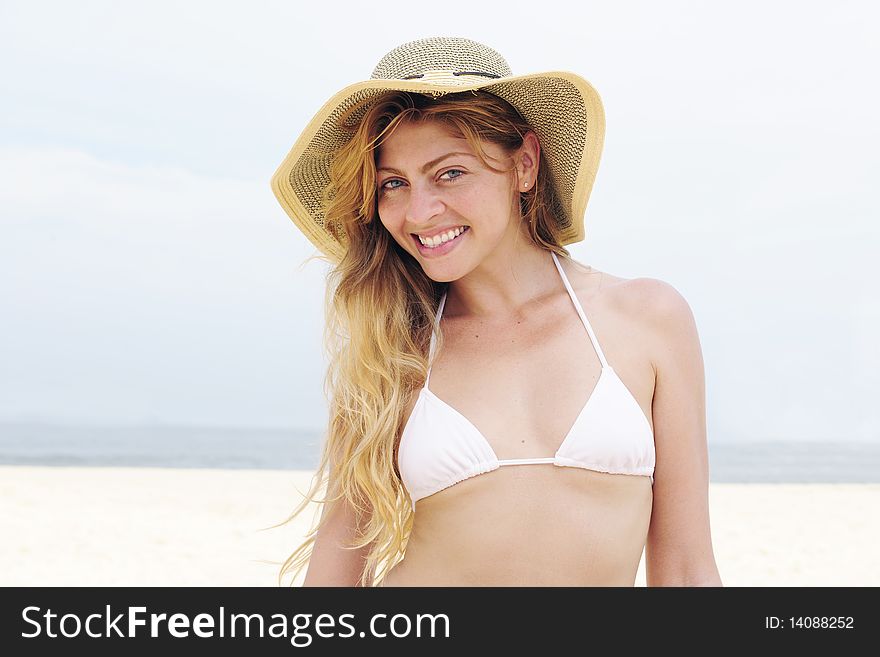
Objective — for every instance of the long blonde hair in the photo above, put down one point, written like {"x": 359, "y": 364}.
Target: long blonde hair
{"x": 379, "y": 309}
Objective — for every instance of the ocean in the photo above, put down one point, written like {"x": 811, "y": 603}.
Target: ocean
{"x": 164, "y": 446}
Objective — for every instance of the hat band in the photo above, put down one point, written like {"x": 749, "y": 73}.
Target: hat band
{"x": 455, "y": 78}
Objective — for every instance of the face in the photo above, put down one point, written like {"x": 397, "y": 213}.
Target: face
{"x": 429, "y": 179}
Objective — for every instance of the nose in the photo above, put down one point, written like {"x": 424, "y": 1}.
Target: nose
{"x": 423, "y": 205}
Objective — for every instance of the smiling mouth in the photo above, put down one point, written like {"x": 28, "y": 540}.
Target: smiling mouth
{"x": 421, "y": 244}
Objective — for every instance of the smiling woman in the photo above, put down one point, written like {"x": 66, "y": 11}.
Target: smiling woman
{"x": 436, "y": 200}
{"x": 422, "y": 208}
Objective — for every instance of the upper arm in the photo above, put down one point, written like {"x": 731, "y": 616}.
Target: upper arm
{"x": 679, "y": 546}
{"x": 331, "y": 563}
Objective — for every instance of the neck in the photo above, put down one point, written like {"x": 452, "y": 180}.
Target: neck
{"x": 505, "y": 285}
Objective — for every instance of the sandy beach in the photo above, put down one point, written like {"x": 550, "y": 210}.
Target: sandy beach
{"x": 175, "y": 527}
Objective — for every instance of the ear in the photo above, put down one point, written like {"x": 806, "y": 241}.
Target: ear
{"x": 528, "y": 157}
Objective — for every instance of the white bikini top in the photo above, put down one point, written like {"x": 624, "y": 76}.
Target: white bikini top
{"x": 440, "y": 447}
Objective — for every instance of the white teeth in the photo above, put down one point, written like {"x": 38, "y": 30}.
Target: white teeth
{"x": 437, "y": 240}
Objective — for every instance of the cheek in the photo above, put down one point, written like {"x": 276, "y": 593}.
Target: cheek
{"x": 486, "y": 206}
{"x": 393, "y": 226}
{"x": 388, "y": 215}
{"x": 390, "y": 212}
{"x": 382, "y": 216}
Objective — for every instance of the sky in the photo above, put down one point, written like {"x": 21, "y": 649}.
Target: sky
{"x": 148, "y": 275}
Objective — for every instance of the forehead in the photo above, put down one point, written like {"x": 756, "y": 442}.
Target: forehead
{"x": 411, "y": 139}
{"x": 420, "y": 145}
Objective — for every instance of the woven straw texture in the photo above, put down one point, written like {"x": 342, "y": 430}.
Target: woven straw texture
{"x": 563, "y": 109}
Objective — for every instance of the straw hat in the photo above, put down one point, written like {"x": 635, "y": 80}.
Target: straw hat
{"x": 563, "y": 109}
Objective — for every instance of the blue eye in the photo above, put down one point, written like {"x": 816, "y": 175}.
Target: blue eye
{"x": 384, "y": 188}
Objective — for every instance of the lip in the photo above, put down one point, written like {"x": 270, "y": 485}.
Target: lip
{"x": 440, "y": 231}
{"x": 441, "y": 250}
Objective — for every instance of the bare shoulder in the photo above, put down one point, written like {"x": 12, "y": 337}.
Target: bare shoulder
{"x": 650, "y": 299}
{"x": 664, "y": 317}
{"x": 653, "y": 308}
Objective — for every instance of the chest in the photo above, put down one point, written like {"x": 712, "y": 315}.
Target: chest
{"x": 523, "y": 383}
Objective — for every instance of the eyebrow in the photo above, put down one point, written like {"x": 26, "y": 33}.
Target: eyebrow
{"x": 431, "y": 163}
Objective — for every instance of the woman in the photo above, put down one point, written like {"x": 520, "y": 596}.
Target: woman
{"x": 500, "y": 414}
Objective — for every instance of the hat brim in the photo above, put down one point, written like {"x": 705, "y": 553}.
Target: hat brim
{"x": 564, "y": 110}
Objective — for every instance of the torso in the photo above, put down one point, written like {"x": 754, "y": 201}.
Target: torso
{"x": 522, "y": 383}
